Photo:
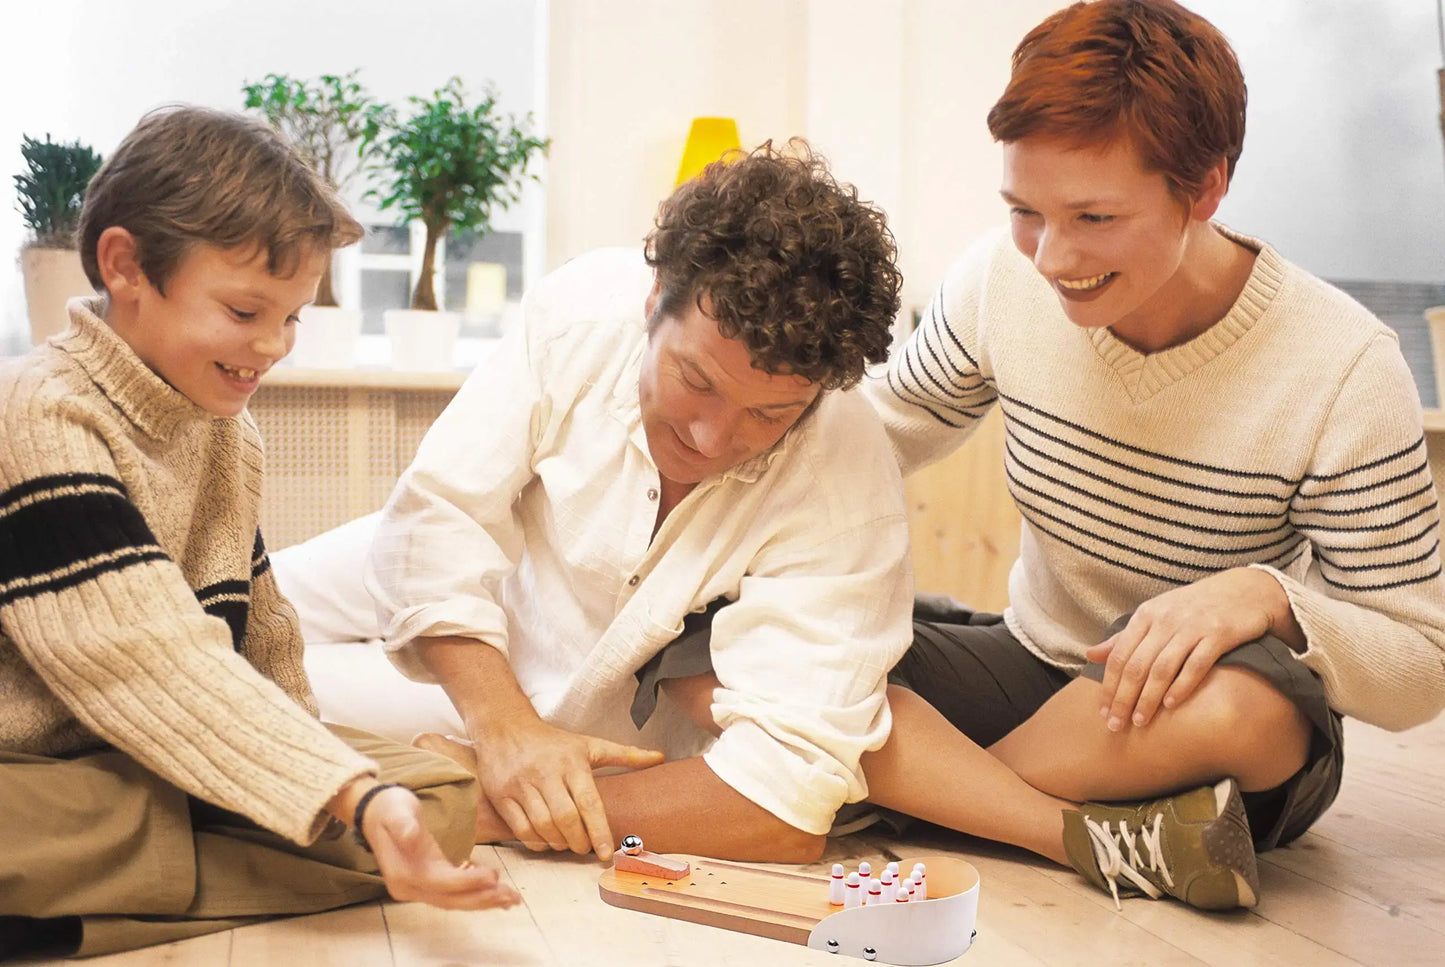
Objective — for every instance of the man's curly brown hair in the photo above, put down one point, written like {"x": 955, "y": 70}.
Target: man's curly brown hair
{"x": 788, "y": 260}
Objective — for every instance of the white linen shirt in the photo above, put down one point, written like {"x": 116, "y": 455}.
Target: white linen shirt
{"x": 525, "y": 522}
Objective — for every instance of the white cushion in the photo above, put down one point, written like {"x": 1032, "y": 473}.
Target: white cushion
{"x": 322, "y": 579}
{"x": 355, "y": 683}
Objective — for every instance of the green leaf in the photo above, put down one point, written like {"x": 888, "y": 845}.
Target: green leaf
{"x": 52, "y": 187}
{"x": 449, "y": 165}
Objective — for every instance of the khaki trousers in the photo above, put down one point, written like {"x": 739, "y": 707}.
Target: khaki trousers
{"x": 101, "y": 852}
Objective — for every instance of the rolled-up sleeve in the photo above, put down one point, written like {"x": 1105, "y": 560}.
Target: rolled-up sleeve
{"x": 450, "y": 532}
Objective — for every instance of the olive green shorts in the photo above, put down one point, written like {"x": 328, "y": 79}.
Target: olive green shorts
{"x": 970, "y": 667}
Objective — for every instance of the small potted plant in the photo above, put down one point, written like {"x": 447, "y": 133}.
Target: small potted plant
{"x": 334, "y": 123}
{"x": 50, "y": 192}
{"x": 452, "y": 167}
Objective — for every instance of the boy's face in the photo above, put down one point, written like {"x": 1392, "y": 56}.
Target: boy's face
{"x": 705, "y": 408}
{"x": 222, "y": 322}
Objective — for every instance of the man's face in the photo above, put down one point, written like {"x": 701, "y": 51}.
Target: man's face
{"x": 222, "y": 322}
{"x": 1107, "y": 234}
{"x": 705, "y": 409}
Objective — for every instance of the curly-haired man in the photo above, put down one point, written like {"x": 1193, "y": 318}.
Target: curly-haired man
{"x": 659, "y": 451}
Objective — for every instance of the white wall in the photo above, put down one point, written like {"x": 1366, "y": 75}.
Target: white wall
{"x": 626, "y": 77}
{"x": 893, "y": 92}
{"x": 1343, "y": 167}
{"x": 89, "y": 69}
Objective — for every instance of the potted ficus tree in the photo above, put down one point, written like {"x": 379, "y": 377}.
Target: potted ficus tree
{"x": 334, "y": 123}
{"x": 49, "y": 193}
{"x": 452, "y": 167}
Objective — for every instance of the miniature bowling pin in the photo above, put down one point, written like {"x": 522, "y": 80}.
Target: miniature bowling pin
{"x": 875, "y": 892}
{"x": 836, "y": 886}
{"x": 886, "y": 881}
{"x": 893, "y": 868}
{"x": 865, "y": 870}
{"x": 852, "y": 892}
{"x": 901, "y": 895}
{"x": 920, "y": 882}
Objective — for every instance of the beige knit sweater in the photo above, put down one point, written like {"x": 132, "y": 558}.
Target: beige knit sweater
{"x": 1286, "y": 437}
{"x": 137, "y": 604}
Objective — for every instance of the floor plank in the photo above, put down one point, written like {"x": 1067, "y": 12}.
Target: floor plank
{"x": 423, "y": 936}
{"x": 1365, "y": 887}
{"x": 350, "y": 937}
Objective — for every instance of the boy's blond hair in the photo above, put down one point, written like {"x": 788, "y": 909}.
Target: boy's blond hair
{"x": 186, "y": 175}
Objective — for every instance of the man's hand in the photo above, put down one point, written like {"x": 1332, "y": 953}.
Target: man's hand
{"x": 412, "y": 862}
{"x": 538, "y": 778}
{"x": 1172, "y": 641}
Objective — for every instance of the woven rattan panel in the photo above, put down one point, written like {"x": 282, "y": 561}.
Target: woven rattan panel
{"x": 334, "y": 453}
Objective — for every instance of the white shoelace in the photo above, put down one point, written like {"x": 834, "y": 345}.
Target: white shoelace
{"x": 1109, "y": 853}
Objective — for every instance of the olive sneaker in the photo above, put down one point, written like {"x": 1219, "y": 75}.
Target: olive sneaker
{"x": 1194, "y": 846}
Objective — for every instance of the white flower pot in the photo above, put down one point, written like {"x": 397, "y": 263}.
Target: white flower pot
{"x": 326, "y": 338}
{"x": 53, "y": 276}
{"x": 421, "y": 339}
{"x": 1435, "y": 317}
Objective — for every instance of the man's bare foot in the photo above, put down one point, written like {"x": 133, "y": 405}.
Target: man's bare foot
{"x": 459, "y": 750}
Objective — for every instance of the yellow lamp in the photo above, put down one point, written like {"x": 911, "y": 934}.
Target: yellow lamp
{"x": 707, "y": 140}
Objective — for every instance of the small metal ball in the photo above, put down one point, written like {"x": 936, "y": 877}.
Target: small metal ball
{"x": 832, "y": 946}
{"x": 632, "y": 845}
{"x": 869, "y": 953}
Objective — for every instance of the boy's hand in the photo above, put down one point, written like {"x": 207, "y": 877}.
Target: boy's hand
{"x": 412, "y": 862}
{"x": 538, "y": 778}
{"x": 1172, "y": 641}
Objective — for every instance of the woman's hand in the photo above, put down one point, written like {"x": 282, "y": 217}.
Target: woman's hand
{"x": 1172, "y": 641}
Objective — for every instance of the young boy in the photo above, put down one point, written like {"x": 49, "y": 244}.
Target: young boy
{"x": 162, "y": 770}
{"x": 1230, "y": 538}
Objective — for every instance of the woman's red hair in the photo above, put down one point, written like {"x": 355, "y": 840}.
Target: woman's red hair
{"x": 1148, "y": 70}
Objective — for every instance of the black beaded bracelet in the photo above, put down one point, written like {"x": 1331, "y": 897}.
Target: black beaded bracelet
{"x": 360, "y": 814}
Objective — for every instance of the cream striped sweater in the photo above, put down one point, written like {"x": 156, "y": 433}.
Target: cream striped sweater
{"x": 137, "y": 605}
{"x": 1288, "y": 436}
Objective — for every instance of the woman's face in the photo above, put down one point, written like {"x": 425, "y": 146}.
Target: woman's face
{"x": 1107, "y": 234}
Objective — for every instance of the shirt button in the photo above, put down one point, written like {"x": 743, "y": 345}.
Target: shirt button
{"x": 651, "y": 493}
{"x": 632, "y": 581}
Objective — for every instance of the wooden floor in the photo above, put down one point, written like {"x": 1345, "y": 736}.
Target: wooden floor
{"x": 1366, "y": 886}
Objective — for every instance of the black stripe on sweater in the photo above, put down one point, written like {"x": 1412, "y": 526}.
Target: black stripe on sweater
{"x": 260, "y": 561}
{"x": 20, "y": 491}
{"x": 1148, "y": 454}
{"x": 55, "y": 527}
{"x": 231, "y": 602}
{"x": 74, "y": 577}
{"x": 1150, "y": 495}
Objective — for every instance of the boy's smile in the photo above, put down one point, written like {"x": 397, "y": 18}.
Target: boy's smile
{"x": 222, "y": 321}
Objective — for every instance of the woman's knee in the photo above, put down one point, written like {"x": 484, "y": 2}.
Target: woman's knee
{"x": 1257, "y": 733}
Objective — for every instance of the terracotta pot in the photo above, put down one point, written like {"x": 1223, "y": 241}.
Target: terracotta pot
{"x": 52, "y": 277}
